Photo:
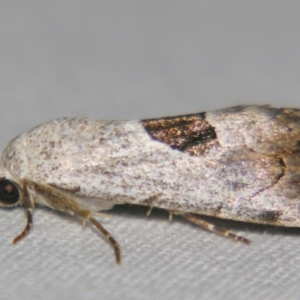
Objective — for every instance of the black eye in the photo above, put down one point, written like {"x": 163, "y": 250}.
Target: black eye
{"x": 9, "y": 193}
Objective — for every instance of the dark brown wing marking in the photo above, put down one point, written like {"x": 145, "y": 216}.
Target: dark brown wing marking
{"x": 188, "y": 133}
{"x": 269, "y": 217}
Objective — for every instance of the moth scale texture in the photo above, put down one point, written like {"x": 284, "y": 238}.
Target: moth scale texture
{"x": 240, "y": 163}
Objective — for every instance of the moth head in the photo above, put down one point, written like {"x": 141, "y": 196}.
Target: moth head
{"x": 9, "y": 193}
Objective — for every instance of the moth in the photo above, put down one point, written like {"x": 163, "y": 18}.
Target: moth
{"x": 240, "y": 163}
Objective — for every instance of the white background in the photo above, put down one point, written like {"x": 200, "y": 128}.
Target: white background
{"x": 132, "y": 60}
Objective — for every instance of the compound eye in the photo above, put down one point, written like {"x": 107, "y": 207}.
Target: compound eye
{"x": 9, "y": 193}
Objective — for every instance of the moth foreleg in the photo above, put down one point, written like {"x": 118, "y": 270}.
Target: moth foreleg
{"x": 210, "y": 227}
{"x": 27, "y": 227}
{"x": 107, "y": 235}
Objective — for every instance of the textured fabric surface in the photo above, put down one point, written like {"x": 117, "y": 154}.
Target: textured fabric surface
{"x": 132, "y": 60}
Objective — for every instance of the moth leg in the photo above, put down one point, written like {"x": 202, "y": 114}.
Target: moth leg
{"x": 210, "y": 227}
{"x": 100, "y": 214}
{"x": 27, "y": 227}
{"x": 149, "y": 211}
{"x": 103, "y": 214}
{"x": 107, "y": 235}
